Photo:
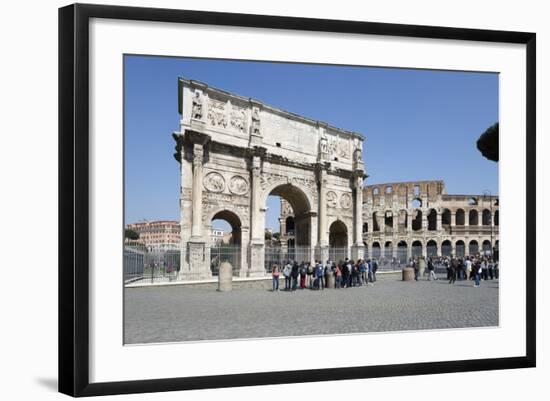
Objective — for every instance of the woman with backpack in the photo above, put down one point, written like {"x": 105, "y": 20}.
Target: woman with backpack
{"x": 286, "y": 272}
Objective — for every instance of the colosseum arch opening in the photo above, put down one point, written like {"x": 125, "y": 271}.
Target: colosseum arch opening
{"x": 446, "y": 248}
{"x": 473, "y": 247}
{"x": 460, "y": 249}
{"x": 486, "y": 217}
{"x": 417, "y": 221}
{"x": 388, "y": 250}
{"x": 473, "y": 218}
{"x": 431, "y": 248}
{"x": 402, "y": 252}
{"x": 459, "y": 216}
{"x": 446, "y": 217}
{"x": 388, "y": 221}
{"x": 432, "y": 220}
{"x": 376, "y": 250}
{"x": 416, "y": 249}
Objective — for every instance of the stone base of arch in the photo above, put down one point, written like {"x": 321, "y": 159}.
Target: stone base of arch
{"x": 256, "y": 260}
{"x": 357, "y": 251}
{"x": 198, "y": 264}
{"x": 321, "y": 253}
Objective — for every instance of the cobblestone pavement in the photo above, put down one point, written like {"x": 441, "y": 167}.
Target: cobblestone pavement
{"x": 183, "y": 313}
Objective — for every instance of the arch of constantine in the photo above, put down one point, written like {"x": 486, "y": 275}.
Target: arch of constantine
{"x": 235, "y": 151}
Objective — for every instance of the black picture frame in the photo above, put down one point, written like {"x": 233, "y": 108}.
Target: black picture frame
{"x": 74, "y": 198}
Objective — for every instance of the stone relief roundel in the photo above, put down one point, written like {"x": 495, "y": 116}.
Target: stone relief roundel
{"x": 345, "y": 201}
{"x": 214, "y": 182}
{"x": 238, "y": 185}
{"x": 332, "y": 199}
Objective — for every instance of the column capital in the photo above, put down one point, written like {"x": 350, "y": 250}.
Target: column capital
{"x": 195, "y": 137}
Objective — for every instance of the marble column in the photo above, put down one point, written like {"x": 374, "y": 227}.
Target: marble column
{"x": 358, "y": 226}
{"x": 358, "y": 250}
{"x": 196, "y": 228}
{"x": 322, "y": 247}
{"x": 197, "y": 252}
{"x": 255, "y": 200}
{"x": 323, "y": 231}
{"x": 256, "y": 266}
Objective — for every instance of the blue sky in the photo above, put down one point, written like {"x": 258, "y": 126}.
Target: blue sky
{"x": 418, "y": 124}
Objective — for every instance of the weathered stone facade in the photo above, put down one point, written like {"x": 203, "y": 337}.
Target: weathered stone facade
{"x": 234, "y": 152}
{"x": 420, "y": 218}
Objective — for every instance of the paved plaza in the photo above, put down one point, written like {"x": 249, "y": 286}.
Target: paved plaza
{"x": 191, "y": 313}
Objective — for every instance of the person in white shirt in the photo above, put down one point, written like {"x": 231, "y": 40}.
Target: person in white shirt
{"x": 468, "y": 264}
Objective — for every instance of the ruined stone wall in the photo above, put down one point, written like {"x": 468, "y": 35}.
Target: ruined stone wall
{"x": 409, "y": 218}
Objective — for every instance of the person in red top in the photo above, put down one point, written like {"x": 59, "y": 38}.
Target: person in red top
{"x": 303, "y": 271}
{"x": 275, "y": 273}
{"x": 338, "y": 273}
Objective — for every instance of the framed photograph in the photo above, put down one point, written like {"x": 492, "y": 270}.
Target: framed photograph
{"x": 251, "y": 199}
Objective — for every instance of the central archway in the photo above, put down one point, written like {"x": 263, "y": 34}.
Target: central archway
{"x": 298, "y": 225}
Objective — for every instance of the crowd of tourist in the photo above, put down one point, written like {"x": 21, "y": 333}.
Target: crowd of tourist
{"x": 349, "y": 273}
{"x": 346, "y": 273}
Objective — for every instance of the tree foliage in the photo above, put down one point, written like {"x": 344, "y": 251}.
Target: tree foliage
{"x": 487, "y": 143}
{"x": 131, "y": 234}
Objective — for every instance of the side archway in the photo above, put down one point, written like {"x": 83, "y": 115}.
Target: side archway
{"x": 231, "y": 248}
{"x": 338, "y": 241}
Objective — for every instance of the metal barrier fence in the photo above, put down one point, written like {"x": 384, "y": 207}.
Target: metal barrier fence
{"x": 134, "y": 264}
{"x": 155, "y": 266}
{"x": 280, "y": 256}
{"x": 225, "y": 253}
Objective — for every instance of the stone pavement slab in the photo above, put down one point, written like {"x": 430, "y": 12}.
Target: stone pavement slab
{"x": 187, "y": 313}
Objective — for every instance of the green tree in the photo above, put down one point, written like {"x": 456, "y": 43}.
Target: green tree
{"x": 487, "y": 143}
{"x": 131, "y": 234}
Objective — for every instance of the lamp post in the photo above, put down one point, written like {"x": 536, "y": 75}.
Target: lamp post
{"x": 485, "y": 194}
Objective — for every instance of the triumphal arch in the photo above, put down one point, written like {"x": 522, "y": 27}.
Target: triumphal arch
{"x": 235, "y": 151}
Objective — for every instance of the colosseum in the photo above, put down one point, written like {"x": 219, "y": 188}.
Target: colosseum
{"x": 407, "y": 219}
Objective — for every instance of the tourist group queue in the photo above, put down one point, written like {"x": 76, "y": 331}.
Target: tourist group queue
{"x": 476, "y": 267}
{"x": 346, "y": 274}
{"x": 349, "y": 273}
